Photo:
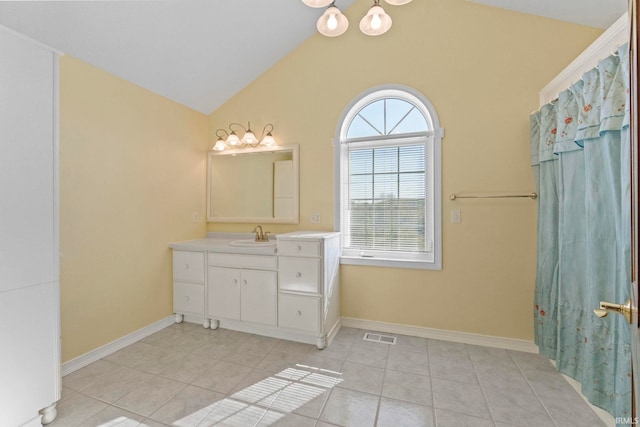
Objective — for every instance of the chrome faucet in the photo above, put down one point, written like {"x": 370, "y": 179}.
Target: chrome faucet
{"x": 261, "y": 236}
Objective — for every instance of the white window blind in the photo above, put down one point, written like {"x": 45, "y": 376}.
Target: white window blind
{"x": 387, "y": 198}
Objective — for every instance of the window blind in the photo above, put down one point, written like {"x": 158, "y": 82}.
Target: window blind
{"x": 386, "y": 199}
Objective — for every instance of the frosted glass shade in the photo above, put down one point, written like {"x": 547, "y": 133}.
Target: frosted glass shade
{"x": 375, "y": 22}
{"x": 268, "y": 140}
{"x": 220, "y": 145}
{"x": 318, "y": 3}
{"x": 397, "y": 2}
{"x": 249, "y": 138}
{"x": 332, "y": 23}
{"x": 233, "y": 139}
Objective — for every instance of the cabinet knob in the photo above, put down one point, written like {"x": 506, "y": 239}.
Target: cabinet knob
{"x": 298, "y": 313}
{"x": 186, "y": 266}
{"x": 298, "y": 275}
{"x": 235, "y": 281}
{"x": 244, "y": 282}
{"x": 186, "y": 298}
{"x": 299, "y": 248}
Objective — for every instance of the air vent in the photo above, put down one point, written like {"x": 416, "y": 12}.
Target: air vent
{"x": 383, "y": 339}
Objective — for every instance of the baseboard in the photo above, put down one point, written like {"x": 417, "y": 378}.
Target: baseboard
{"x": 107, "y": 349}
{"x": 440, "y": 334}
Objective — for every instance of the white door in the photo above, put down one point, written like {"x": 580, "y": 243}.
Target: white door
{"x": 635, "y": 206}
{"x": 259, "y": 297}
{"x": 224, "y": 293}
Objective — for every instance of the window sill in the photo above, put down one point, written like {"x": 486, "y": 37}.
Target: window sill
{"x": 391, "y": 263}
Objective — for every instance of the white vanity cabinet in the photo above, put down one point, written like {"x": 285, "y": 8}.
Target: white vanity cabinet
{"x": 242, "y": 288}
{"x": 309, "y": 284}
{"x": 189, "y": 285}
{"x": 288, "y": 289}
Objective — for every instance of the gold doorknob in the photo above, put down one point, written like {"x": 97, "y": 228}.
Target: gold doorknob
{"x": 608, "y": 307}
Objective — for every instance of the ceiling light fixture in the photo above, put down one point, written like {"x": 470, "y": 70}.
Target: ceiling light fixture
{"x": 333, "y": 23}
{"x": 248, "y": 140}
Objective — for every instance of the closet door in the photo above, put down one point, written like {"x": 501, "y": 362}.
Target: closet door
{"x": 29, "y": 254}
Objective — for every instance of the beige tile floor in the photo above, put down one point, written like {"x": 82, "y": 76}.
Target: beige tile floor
{"x": 187, "y": 376}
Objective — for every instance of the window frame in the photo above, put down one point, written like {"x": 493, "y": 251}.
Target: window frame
{"x": 433, "y": 158}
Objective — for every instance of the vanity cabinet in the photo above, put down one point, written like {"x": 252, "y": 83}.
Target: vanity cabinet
{"x": 189, "y": 285}
{"x": 308, "y": 283}
{"x": 242, "y": 288}
{"x": 288, "y": 289}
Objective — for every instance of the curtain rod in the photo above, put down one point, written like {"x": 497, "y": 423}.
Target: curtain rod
{"x": 532, "y": 196}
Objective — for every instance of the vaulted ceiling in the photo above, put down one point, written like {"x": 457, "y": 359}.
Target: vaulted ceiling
{"x": 201, "y": 52}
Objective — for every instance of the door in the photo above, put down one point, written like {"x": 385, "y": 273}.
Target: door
{"x": 259, "y": 296}
{"x": 224, "y": 293}
{"x": 635, "y": 205}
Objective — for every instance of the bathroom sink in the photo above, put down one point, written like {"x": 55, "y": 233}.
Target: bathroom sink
{"x": 252, "y": 243}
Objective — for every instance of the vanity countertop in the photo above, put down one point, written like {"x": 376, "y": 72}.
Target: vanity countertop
{"x": 221, "y": 242}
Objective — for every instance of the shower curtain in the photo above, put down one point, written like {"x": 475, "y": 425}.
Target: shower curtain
{"x": 580, "y": 155}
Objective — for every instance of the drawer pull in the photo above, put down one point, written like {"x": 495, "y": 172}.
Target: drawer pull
{"x": 244, "y": 282}
{"x": 186, "y": 298}
{"x": 298, "y": 275}
{"x": 235, "y": 281}
{"x": 186, "y": 266}
{"x": 299, "y": 248}
{"x": 299, "y": 313}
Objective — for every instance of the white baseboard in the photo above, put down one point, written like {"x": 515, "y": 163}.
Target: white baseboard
{"x": 440, "y": 334}
{"x": 107, "y": 349}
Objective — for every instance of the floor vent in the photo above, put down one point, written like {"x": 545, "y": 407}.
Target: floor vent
{"x": 384, "y": 339}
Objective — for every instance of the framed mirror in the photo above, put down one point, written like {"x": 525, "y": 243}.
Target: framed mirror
{"x": 258, "y": 185}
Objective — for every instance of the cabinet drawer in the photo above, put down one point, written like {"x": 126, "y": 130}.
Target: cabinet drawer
{"x": 299, "y": 248}
{"x": 298, "y": 312}
{"x": 188, "y": 298}
{"x": 188, "y": 266}
{"x": 299, "y": 274}
{"x": 255, "y": 262}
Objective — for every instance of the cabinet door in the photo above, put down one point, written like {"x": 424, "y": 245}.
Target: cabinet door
{"x": 259, "y": 296}
{"x": 188, "y": 298}
{"x": 299, "y": 312}
{"x": 224, "y": 293}
{"x": 299, "y": 274}
{"x": 188, "y": 266}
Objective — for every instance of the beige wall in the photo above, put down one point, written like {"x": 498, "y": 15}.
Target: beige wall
{"x": 482, "y": 68}
{"x": 132, "y": 174}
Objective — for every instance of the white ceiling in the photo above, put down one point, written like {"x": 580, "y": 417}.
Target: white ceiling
{"x": 202, "y": 52}
{"x": 594, "y": 13}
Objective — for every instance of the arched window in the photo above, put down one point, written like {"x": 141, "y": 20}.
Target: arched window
{"x": 388, "y": 180}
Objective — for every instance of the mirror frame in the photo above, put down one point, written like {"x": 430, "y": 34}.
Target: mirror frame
{"x": 294, "y": 148}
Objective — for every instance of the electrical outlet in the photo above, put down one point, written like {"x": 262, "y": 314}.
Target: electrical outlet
{"x": 315, "y": 218}
{"x": 455, "y": 216}
{"x": 196, "y": 217}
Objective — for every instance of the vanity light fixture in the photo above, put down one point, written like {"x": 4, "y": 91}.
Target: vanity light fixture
{"x": 248, "y": 140}
{"x": 333, "y": 23}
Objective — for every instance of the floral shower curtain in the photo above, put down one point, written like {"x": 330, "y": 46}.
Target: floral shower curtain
{"x": 580, "y": 154}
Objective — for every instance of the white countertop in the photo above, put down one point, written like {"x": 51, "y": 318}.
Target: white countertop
{"x": 221, "y": 242}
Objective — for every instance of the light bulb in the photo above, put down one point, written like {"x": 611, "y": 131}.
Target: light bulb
{"x": 375, "y": 21}
{"x": 249, "y": 137}
{"x": 332, "y": 22}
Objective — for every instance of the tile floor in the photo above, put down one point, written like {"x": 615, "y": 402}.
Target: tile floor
{"x": 187, "y": 376}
